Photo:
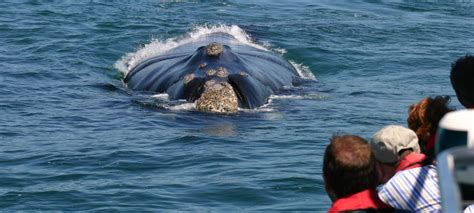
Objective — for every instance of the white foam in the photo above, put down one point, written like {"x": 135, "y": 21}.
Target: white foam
{"x": 255, "y": 110}
{"x": 182, "y": 107}
{"x": 192, "y": 107}
{"x": 287, "y": 97}
{"x": 311, "y": 96}
{"x": 161, "y": 96}
{"x": 264, "y": 108}
{"x": 280, "y": 51}
{"x": 303, "y": 71}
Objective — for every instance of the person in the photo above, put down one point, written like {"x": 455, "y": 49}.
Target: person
{"x": 408, "y": 177}
{"x": 462, "y": 80}
{"x": 423, "y": 119}
{"x": 350, "y": 176}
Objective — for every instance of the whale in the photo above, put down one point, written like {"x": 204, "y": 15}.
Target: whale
{"x": 217, "y": 72}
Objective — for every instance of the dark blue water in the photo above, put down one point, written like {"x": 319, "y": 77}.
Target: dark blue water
{"x": 74, "y": 138}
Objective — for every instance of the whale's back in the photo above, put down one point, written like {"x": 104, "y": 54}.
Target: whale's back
{"x": 255, "y": 73}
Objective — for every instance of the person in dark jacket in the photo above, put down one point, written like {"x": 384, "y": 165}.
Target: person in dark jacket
{"x": 462, "y": 80}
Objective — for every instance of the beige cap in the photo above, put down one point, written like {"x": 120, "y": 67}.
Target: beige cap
{"x": 390, "y": 140}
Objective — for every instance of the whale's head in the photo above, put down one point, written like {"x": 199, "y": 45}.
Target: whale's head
{"x": 217, "y": 97}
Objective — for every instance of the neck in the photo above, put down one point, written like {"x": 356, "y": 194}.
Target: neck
{"x": 405, "y": 153}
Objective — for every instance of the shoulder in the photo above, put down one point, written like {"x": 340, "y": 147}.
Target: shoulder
{"x": 412, "y": 189}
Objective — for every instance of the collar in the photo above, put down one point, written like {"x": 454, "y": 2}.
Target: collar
{"x": 412, "y": 160}
{"x": 366, "y": 199}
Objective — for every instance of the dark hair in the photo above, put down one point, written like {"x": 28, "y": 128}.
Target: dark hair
{"x": 349, "y": 165}
{"x": 462, "y": 79}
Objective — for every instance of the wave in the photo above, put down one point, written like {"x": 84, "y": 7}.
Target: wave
{"x": 181, "y": 107}
{"x": 264, "y": 108}
{"x": 309, "y": 96}
{"x": 268, "y": 107}
{"x": 161, "y": 96}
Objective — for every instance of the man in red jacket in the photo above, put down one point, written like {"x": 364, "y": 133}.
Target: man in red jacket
{"x": 350, "y": 175}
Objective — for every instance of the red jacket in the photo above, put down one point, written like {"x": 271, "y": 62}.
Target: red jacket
{"x": 367, "y": 199}
{"x": 430, "y": 144}
{"x": 412, "y": 160}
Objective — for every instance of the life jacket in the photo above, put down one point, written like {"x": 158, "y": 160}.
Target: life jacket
{"x": 412, "y": 160}
{"x": 430, "y": 145}
{"x": 363, "y": 200}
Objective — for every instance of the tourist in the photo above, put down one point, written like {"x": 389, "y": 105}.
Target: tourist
{"x": 462, "y": 80}
{"x": 423, "y": 118}
{"x": 350, "y": 176}
{"x": 414, "y": 185}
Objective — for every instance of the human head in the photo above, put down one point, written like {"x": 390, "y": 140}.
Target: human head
{"x": 423, "y": 118}
{"x": 349, "y": 166}
{"x": 388, "y": 144}
{"x": 462, "y": 80}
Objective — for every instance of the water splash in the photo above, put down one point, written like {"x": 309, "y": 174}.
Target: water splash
{"x": 310, "y": 96}
{"x": 264, "y": 108}
{"x": 303, "y": 71}
{"x": 182, "y": 107}
{"x": 161, "y": 96}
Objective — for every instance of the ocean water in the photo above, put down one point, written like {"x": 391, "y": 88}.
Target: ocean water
{"x": 74, "y": 138}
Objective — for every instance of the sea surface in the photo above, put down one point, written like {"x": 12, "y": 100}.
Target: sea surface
{"x": 74, "y": 138}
